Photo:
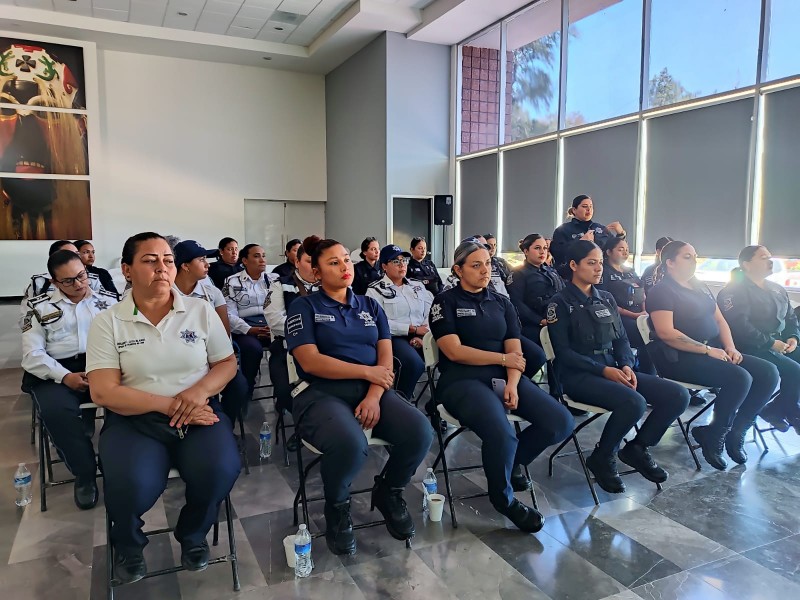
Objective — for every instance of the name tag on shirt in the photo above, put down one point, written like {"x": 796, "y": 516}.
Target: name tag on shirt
{"x": 324, "y": 318}
{"x": 466, "y": 312}
{"x": 603, "y": 312}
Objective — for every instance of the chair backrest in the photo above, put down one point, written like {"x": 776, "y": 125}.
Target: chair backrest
{"x": 547, "y": 345}
{"x": 643, "y": 323}
{"x": 430, "y": 350}
{"x": 293, "y": 376}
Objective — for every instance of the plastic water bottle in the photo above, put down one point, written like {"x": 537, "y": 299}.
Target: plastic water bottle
{"x": 302, "y": 552}
{"x": 265, "y": 439}
{"x": 428, "y": 487}
{"x": 22, "y": 483}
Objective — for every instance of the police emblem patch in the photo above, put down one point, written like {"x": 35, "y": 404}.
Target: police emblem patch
{"x": 551, "y": 313}
{"x": 188, "y": 336}
{"x": 436, "y": 313}
{"x": 367, "y": 318}
{"x": 727, "y": 303}
{"x": 100, "y": 304}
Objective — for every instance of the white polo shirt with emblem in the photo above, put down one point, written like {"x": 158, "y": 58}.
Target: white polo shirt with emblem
{"x": 206, "y": 292}
{"x": 405, "y": 305}
{"x": 163, "y": 359}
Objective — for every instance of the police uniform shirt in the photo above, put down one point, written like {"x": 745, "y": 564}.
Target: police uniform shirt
{"x": 219, "y": 271}
{"x": 206, "y": 292}
{"x": 41, "y": 283}
{"x": 573, "y": 230}
{"x": 757, "y": 316}
{"x": 104, "y": 277}
{"x": 56, "y": 328}
{"x": 349, "y": 332}
{"x": 623, "y": 285}
{"x": 425, "y": 271}
{"x": 284, "y": 269}
{"x": 531, "y": 290}
{"x": 283, "y": 292}
{"x": 649, "y": 276}
{"x": 501, "y": 277}
{"x": 692, "y": 309}
{"x": 364, "y": 274}
{"x": 404, "y": 305}
{"x": 482, "y": 320}
{"x": 246, "y": 299}
{"x": 163, "y": 359}
{"x": 563, "y": 331}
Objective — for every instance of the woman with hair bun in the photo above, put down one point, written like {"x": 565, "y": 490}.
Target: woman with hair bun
{"x": 369, "y": 269}
{"x": 581, "y": 227}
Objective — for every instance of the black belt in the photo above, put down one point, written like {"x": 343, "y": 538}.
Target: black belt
{"x": 602, "y": 351}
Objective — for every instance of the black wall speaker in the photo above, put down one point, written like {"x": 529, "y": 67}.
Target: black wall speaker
{"x": 442, "y": 209}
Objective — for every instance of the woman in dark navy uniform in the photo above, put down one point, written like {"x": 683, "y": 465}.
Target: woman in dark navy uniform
{"x": 533, "y": 284}
{"x": 87, "y": 254}
{"x": 649, "y": 274}
{"x": 628, "y": 290}
{"x": 227, "y": 263}
{"x": 500, "y": 267}
{"x": 694, "y": 344}
{"x": 369, "y": 269}
{"x": 478, "y": 333}
{"x": 594, "y": 363}
{"x": 764, "y": 325}
{"x": 286, "y": 269}
{"x": 342, "y": 347}
{"x": 581, "y": 227}
{"x": 421, "y": 268}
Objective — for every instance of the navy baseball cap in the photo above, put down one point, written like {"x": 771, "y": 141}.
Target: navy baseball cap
{"x": 188, "y": 250}
{"x": 391, "y": 252}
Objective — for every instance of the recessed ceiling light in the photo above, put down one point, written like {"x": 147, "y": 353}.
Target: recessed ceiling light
{"x": 279, "y": 29}
{"x": 267, "y": 57}
{"x": 183, "y": 14}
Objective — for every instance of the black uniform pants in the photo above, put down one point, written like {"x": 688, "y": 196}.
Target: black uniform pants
{"x": 627, "y": 405}
{"x": 474, "y": 403}
{"x": 251, "y": 351}
{"x": 789, "y": 370}
{"x": 279, "y": 375}
{"x": 325, "y": 416}
{"x": 411, "y": 365}
{"x": 135, "y": 469}
{"x": 744, "y": 389}
{"x": 235, "y": 396}
{"x": 534, "y": 356}
{"x": 635, "y": 338}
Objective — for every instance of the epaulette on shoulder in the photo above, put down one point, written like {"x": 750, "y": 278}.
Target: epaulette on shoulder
{"x": 105, "y": 292}
{"x": 43, "y": 297}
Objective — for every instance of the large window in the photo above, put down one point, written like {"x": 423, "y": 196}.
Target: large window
{"x": 533, "y": 52}
{"x": 604, "y": 60}
{"x": 701, "y": 47}
{"x": 784, "y": 50}
{"x": 480, "y": 92}
{"x": 478, "y": 194}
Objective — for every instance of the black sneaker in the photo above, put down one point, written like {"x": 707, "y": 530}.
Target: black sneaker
{"x": 734, "y": 444}
{"x": 604, "y": 469}
{"x": 85, "y": 492}
{"x": 339, "y": 528}
{"x": 775, "y": 417}
{"x": 698, "y": 398}
{"x": 711, "y": 443}
{"x": 524, "y": 517}
{"x": 520, "y": 481}
{"x": 638, "y": 457}
{"x": 195, "y": 558}
{"x": 129, "y": 565}
{"x": 389, "y": 501}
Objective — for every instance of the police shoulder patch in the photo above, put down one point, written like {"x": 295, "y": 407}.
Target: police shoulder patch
{"x": 437, "y": 313}
{"x": 27, "y": 321}
{"x": 727, "y": 303}
{"x": 552, "y": 317}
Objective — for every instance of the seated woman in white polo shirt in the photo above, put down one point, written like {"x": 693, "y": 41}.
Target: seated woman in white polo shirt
{"x": 155, "y": 362}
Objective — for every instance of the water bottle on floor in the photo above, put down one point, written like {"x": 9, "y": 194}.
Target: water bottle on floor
{"x": 302, "y": 552}
{"x": 22, "y": 483}
{"x": 265, "y": 441}
{"x": 428, "y": 487}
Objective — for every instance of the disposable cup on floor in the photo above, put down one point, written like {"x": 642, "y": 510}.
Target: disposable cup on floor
{"x": 288, "y": 546}
{"x": 436, "y": 506}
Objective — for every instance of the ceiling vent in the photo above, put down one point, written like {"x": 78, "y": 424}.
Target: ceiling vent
{"x": 287, "y": 17}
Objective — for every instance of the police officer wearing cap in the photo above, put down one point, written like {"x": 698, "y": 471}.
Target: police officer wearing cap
{"x": 481, "y": 358}
{"x": 246, "y": 295}
{"x": 87, "y": 253}
{"x": 54, "y": 335}
{"x": 284, "y": 291}
{"x": 694, "y": 344}
{"x": 341, "y": 345}
{"x": 421, "y": 268}
{"x": 764, "y": 325}
{"x": 369, "y": 269}
{"x": 406, "y": 303}
{"x": 287, "y": 268}
{"x": 594, "y": 364}
{"x": 649, "y": 274}
{"x": 581, "y": 227}
{"x": 624, "y": 284}
{"x": 191, "y": 280}
{"x": 156, "y": 362}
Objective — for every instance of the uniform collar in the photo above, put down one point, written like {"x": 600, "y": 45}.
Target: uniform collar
{"x": 57, "y": 296}
{"x": 481, "y": 296}
{"x": 243, "y": 274}
{"x": 330, "y": 302}
{"x": 584, "y": 224}
{"x": 580, "y": 295}
{"x": 128, "y": 310}
{"x": 385, "y": 279}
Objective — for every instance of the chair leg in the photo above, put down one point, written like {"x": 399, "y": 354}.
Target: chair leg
{"x": 243, "y": 440}
{"x": 445, "y": 473}
{"x": 232, "y": 545}
{"x": 585, "y": 469}
{"x": 215, "y": 540}
{"x": 33, "y": 421}
{"x": 685, "y": 432}
{"x": 302, "y": 491}
{"x": 43, "y": 468}
{"x": 109, "y": 561}
{"x": 555, "y": 453}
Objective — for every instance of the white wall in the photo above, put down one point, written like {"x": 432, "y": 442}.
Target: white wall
{"x": 182, "y": 143}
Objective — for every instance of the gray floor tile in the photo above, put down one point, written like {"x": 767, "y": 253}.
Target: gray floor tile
{"x": 739, "y": 577}
{"x": 681, "y": 586}
{"x": 402, "y": 576}
{"x": 781, "y": 557}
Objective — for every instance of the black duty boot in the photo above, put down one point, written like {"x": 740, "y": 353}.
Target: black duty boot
{"x": 339, "y": 528}
{"x": 712, "y": 442}
{"x": 734, "y": 443}
{"x": 638, "y": 457}
{"x": 774, "y": 416}
{"x": 195, "y": 558}
{"x": 520, "y": 481}
{"x": 389, "y": 501}
{"x": 85, "y": 492}
{"x": 604, "y": 469}
{"x": 524, "y": 517}
{"x": 129, "y": 565}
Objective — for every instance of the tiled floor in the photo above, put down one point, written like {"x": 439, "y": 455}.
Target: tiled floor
{"x": 706, "y": 536}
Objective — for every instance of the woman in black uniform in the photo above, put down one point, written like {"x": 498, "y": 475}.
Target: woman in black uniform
{"x": 478, "y": 334}
{"x": 286, "y": 269}
{"x": 695, "y": 345}
{"x": 368, "y": 270}
{"x": 764, "y": 325}
{"x": 533, "y": 284}
{"x": 628, "y": 290}
{"x": 86, "y": 252}
{"x": 594, "y": 363}
{"x": 581, "y": 227}
{"x": 227, "y": 263}
{"x": 421, "y": 268}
